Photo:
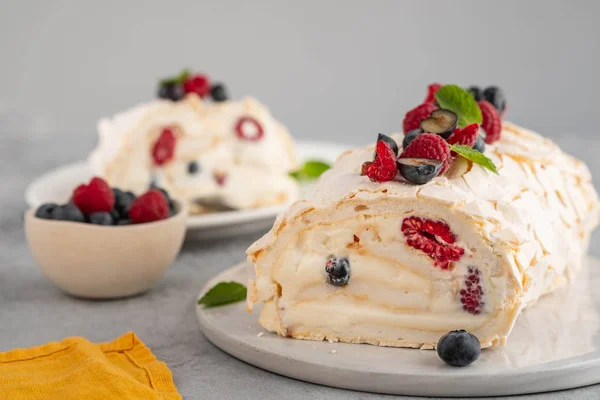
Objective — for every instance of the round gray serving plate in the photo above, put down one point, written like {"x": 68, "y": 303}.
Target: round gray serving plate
{"x": 555, "y": 345}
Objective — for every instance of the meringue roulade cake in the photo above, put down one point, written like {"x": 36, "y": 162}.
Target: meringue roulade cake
{"x": 201, "y": 147}
{"x": 460, "y": 223}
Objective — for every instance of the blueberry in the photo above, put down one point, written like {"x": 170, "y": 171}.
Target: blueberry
{"x": 458, "y": 348}
{"x": 193, "y": 167}
{"x": 171, "y": 90}
{"x": 123, "y": 201}
{"x": 45, "y": 210}
{"x": 338, "y": 270}
{"x": 123, "y": 222}
{"x": 68, "y": 212}
{"x": 419, "y": 170}
{"x": 479, "y": 144}
{"x": 115, "y": 215}
{"x": 172, "y": 208}
{"x": 218, "y": 92}
{"x": 383, "y": 138}
{"x": 476, "y": 93}
{"x": 494, "y": 95}
{"x": 409, "y": 137}
{"x": 165, "y": 193}
{"x": 101, "y": 218}
{"x": 442, "y": 122}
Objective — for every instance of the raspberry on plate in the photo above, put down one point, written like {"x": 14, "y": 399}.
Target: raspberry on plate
{"x": 431, "y": 146}
{"x": 413, "y": 118}
{"x": 149, "y": 207}
{"x": 492, "y": 123}
{"x": 466, "y": 136}
{"x": 96, "y": 196}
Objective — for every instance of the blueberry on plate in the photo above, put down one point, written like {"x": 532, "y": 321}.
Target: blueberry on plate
{"x": 338, "y": 270}
{"x": 391, "y": 142}
{"x": 218, "y": 92}
{"x": 123, "y": 222}
{"x": 494, "y": 95}
{"x": 410, "y": 136}
{"x": 479, "y": 144}
{"x": 171, "y": 90}
{"x": 68, "y": 212}
{"x": 101, "y": 218}
{"x": 440, "y": 121}
{"x": 419, "y": 170}
{"x": 458, "y": 348}
{"x": 45, "y": 210}
{"x": 475, "y": 92}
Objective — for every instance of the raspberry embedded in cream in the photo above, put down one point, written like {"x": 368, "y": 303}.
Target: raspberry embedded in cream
{"x": 241, "y": 155}
{"x": 464, "y": 253}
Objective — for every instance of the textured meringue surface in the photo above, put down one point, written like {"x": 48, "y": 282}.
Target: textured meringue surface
{"x": 234, "y": 171}
{"x": 526, "y": 230}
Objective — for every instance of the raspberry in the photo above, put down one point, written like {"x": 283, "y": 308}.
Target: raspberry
{"x": 492, "y": 123}
{"x": 247, "y": 128}
{"x": 198, "y": 84}
{"x": 431, "y": 89}
{"x": 163, "y": 150}
{"x": 384, "y": 167}
{"x": 149, "y": 207}
{"x": 431, "y": 146}
{"x": 220, "y": 178}
{"x": 413, "y": 118}
{"x": 466, "y": 136}
{"x": 471, "y": 295}
{"x": 96, "y": 196}
{"x": 433, "y": 238}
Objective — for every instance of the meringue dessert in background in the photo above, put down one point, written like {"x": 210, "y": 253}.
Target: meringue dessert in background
{"x": 457, "y": 224}
{"x": 201, "y": 147}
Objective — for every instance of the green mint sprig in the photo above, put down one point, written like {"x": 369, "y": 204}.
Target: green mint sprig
{"x": 180, "y": 78}
{"x": 311, "y": 169}
{"x": 224, "y": 293}
{"x": 459, "y": 101}
{"x": 474, "y": 155}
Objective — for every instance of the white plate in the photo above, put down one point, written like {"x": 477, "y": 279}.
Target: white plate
{"x": 554, "y": 345}
{"x": 57, "y": 185}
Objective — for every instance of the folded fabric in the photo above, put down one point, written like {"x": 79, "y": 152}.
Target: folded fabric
{"x": 75, "y": 369}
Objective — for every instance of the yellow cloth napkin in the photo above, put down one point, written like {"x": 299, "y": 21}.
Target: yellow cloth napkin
{"x": 75, "y": 369}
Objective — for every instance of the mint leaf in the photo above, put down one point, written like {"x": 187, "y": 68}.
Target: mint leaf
{"x": 474, "y": 155}
{"x": 223, "y": 293}
{"x": 180, "y": 78}
{"x": 459, "y": 101}
{"x": 311, "y": 169}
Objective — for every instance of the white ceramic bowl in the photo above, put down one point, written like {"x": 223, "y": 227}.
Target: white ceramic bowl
{"x": 103, "y": 262}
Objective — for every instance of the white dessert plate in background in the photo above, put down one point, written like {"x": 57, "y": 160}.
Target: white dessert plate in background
{"x": 57, "y": 185}
{"x": 555, "y": 345}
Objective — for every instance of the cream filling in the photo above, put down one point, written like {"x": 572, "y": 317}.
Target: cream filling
{"x": 391, "y": 284}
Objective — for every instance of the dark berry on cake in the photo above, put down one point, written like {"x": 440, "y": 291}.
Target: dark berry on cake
{"x": 338, "y": 270}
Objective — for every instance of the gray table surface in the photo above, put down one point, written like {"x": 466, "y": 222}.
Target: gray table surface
{"x": 33, "y": 312}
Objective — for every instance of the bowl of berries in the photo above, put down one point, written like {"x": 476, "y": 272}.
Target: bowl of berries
{"x": 106, "y": 243}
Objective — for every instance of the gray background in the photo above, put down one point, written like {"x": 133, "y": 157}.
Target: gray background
{"x": 340, "y": 70}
